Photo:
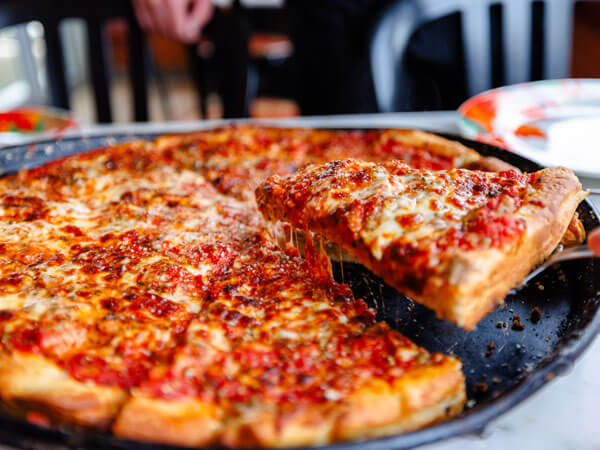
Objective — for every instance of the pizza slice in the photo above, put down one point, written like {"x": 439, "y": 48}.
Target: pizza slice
{"x": 456, "y": 241}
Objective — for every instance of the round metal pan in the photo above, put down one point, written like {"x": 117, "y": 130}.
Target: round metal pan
{"x": 506, "y": 359}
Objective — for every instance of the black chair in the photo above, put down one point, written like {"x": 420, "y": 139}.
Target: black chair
{"x": 237, "y": 74}
{"x": 534, "y": 42}
{"x": 95, "y": 14}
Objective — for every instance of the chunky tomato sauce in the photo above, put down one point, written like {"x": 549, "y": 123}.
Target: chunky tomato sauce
{"x": 131, "y": 270}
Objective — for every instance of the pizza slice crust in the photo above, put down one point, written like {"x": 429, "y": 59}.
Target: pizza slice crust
{"x": 490, "y": 164}
{"x": 30, "y": 382}
{"x": 188, "y": 423}
{"x": 575, "y": 233}
{"x": 268, "y": 427}
{"x": 421, "y": 397}
{"x": 477, "y": 282}
{"x": 460, "y": 154}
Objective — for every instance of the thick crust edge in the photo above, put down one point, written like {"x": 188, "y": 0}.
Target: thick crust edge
{"x": 188, "y": 423}
{"x": 421, "y": 397}
{"x": 31, "y": 382}
{"x": 462, "y": 156}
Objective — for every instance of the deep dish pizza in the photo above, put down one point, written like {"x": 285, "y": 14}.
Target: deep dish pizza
{"x": 141, "y": 291}
{"x": 456, "y": 240}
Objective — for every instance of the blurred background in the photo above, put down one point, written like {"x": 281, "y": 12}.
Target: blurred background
{"x": 276, "y": 58}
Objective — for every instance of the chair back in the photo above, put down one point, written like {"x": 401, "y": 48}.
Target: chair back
{"x": 397, "y": 24}
{"x": 95, "y": 15}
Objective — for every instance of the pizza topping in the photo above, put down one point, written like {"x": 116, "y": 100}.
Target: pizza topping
{"x": 494, "y": 230}
{"x": 37, "y": 418}
{"x": 403, "y": 207}
{"x": 126, "y": 267}
{"x": 415, "y": 157}
{"x": 137, "y": 277}
{"x": 26, "y": 340}
{"x": 142, "y": 304}
{"x": 125, "y": 374}
{"x": 22, "y": 208}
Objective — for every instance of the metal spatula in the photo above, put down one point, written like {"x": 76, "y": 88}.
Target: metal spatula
{"x": 560, "y": 255}
{"x": 565, "y": 254}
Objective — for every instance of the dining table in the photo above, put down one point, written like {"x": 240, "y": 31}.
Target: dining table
{"x": 564, "y": 414}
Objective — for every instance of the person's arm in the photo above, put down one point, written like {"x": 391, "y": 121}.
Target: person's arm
{"x": 594, "y": 241}
{"x": 182, "y": 20}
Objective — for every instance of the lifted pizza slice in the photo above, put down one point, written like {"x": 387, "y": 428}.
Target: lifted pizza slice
{"x": 456, "y": 240}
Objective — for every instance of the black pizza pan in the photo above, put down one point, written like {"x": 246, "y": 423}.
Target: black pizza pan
{"x": 537, "y": 335}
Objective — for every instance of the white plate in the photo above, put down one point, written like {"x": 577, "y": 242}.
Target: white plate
{"x": 555, "y": 122}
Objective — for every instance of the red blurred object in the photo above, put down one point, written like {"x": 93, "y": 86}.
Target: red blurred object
{"x": 37, "y": 418}
{"x": 527, "y": 130}
{"x": 35, "y": 120}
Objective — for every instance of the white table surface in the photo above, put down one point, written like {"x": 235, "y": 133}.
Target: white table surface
{"x": 565, "y": 413}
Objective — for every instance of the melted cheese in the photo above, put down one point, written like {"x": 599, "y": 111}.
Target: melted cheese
{"x": 411, "y": 195}
{"x": 385, "y": 204}
{"x": 126, "y": 268}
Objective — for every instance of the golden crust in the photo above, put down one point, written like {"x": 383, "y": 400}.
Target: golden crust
{"x": 490, "y": 164}
{"x": 461, "y": 155}
{"x": 189, "y": 422}
{"x": 421, "y": 397}
{"x": 575, "y": 233}
{"x": 28, "y": 380}
{"x": 268, "y": 427}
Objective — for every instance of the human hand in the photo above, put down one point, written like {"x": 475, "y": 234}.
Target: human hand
{"x": 594, "y": 241}
{"x": 182, "y": 20}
